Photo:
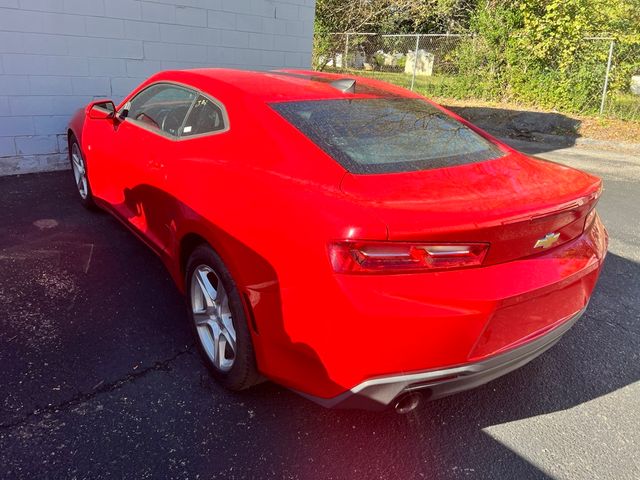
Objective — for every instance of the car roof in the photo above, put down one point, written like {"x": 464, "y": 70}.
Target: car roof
{"x": 282, "y": 85}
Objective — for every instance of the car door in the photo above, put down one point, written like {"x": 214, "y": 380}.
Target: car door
{"x": 147, "y": 140}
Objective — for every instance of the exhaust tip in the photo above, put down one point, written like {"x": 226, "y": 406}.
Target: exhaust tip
{"x": 407, "y": 403}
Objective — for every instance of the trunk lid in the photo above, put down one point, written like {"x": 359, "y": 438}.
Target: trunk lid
{"x": 519, "y": 205}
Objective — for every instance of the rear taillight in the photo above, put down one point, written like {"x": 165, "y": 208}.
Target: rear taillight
{"x": 401, "y": 257}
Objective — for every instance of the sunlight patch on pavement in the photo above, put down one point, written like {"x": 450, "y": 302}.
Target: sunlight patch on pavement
{"x": 599, "y": 436}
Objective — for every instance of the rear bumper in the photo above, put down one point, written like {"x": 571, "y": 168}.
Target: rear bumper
{"x": 368, "y": 331}
{"x": 378, "y": 393}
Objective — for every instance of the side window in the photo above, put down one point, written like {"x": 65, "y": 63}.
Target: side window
{"x": 162, "y": 107}
{"x": 205, "y": 117}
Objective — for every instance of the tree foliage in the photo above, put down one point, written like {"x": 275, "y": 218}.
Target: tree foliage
{"x": 529, "y": 50}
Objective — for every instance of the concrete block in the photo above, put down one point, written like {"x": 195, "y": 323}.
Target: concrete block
{"x": 4, "y": 106}
{"x": 59, "y": 65}
{"x": 215, "y": 55}
{"x": 36, "y": 144}
{"x": 306, "y": 12}
{"x": 85, "y": 7}
{"x": 196, "y": 17}
{"x": 142, "y": 68}
{"x": 213, "y": 4}
{"x": 141, "y": 30}
{"x": 107, "y": 67}
{"x": 94, "y": 86}
{"x": 293, "y": 59}
{"x": 156, "y": 12}
{"x": 232, "y": 38}
{"x": 68, "y": 105}
{"x": 191, "y": 53}
{"x": 20, "y": 106}
{"x": 222, "y": 20}
{"x": 128, "y": 9}
{"x": 49, "y": 85}
{"x": 160, "y": 51}
{"x": 182, "y": 65}
{"x": 63, "y": 24}
{"x": 11, "y": 42}
{"x": 7, "y": 147}
{"x": 89, "y": 47}
{"x": 33, "y": 163}
{"x": 12, "y": 20}
{"x": 50, "y": 124}
{"x": 294, "y": 28}
{"x": 15, "y": 165}
{"x": 287, "y": 43}
{"x": 121, "y": 87}
{"x": 189, "y": 35}
{"x": 42, "y": 5}
{"x": 63, "y": 142}
{"x": 44, "y": 44}
{"x": 274, "y": 26}
{"x": 272, "y": 59}
{"x": 249, "y": 23}
{"x": 18, "y": 64}
{"x": 125, "y": 49}
{"x": 260, "y": 41}
{"x": 287, "y": 12}
{"x": 105, "y": 27}
{"x": 58, "y": 161}
{"x": 14, "y": 84}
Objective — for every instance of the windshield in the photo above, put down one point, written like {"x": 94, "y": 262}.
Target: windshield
{"x": 387, "y": 135}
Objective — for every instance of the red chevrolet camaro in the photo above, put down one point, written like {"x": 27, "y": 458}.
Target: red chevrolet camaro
{"x": 341, "y": 236}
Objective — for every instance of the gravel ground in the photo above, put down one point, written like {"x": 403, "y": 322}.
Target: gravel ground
{"x": 100, "y": 379}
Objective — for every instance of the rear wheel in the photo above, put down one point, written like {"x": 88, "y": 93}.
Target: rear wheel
{"x": 79, "y": 168}
{"x": 218, "y": 320}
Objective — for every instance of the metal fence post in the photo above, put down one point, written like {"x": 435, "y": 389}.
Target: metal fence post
{"x": 415, "y": 62}
{"x": 606, "y": 78}
{"x": 346, "y": 52}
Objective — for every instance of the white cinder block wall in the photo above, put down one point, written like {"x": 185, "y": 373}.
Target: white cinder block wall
{"x": 56, "y": 55}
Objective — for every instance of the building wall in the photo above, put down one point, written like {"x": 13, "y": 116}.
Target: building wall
{"x": 57, "y": 55}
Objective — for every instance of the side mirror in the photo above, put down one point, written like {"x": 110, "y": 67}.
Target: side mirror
{"x": 101, "y": 109}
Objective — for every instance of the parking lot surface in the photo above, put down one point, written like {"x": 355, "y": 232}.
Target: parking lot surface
{"x": 99, "y": 378}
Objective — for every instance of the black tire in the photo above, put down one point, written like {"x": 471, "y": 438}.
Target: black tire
{"x": 243, "y": 372}
{"x": 86, "y": 200}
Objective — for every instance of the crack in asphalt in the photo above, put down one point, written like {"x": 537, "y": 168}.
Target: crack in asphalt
{"x": 100, "y": 388}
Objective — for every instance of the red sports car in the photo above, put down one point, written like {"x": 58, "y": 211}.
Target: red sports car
{"x": 341, "y": 236}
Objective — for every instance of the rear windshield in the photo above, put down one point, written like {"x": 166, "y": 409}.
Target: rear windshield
{"x": 387, "y": 135}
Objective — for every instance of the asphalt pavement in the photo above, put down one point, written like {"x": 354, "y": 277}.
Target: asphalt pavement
{"x": 99, "y": 377}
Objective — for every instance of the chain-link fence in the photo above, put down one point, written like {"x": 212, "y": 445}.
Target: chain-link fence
{"x": 603, "y": 76}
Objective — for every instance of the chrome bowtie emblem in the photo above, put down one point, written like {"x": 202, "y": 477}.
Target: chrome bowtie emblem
{"x": 547, "y": 241}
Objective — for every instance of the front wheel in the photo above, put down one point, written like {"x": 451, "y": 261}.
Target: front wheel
{"x": 79, "y": 167}
{"x": 218, "y": 320}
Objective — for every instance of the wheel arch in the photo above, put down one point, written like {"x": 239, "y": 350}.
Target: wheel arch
{"x": 188, "y": 243}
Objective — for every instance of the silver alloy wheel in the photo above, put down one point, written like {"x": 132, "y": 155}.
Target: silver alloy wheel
{"x": 212, "y": 316}
{"x": 79, "y": 171}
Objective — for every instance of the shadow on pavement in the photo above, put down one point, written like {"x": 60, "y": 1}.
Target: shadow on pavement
{"x": 549, "y": 130}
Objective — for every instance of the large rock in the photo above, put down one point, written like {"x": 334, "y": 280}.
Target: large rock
{"x": 423, "y": 62}
{"x": 335, "y": 61}
{"x": 635, "y": 84}
{"x": 390, "y": 59}
{"x": 355, "y": 60}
